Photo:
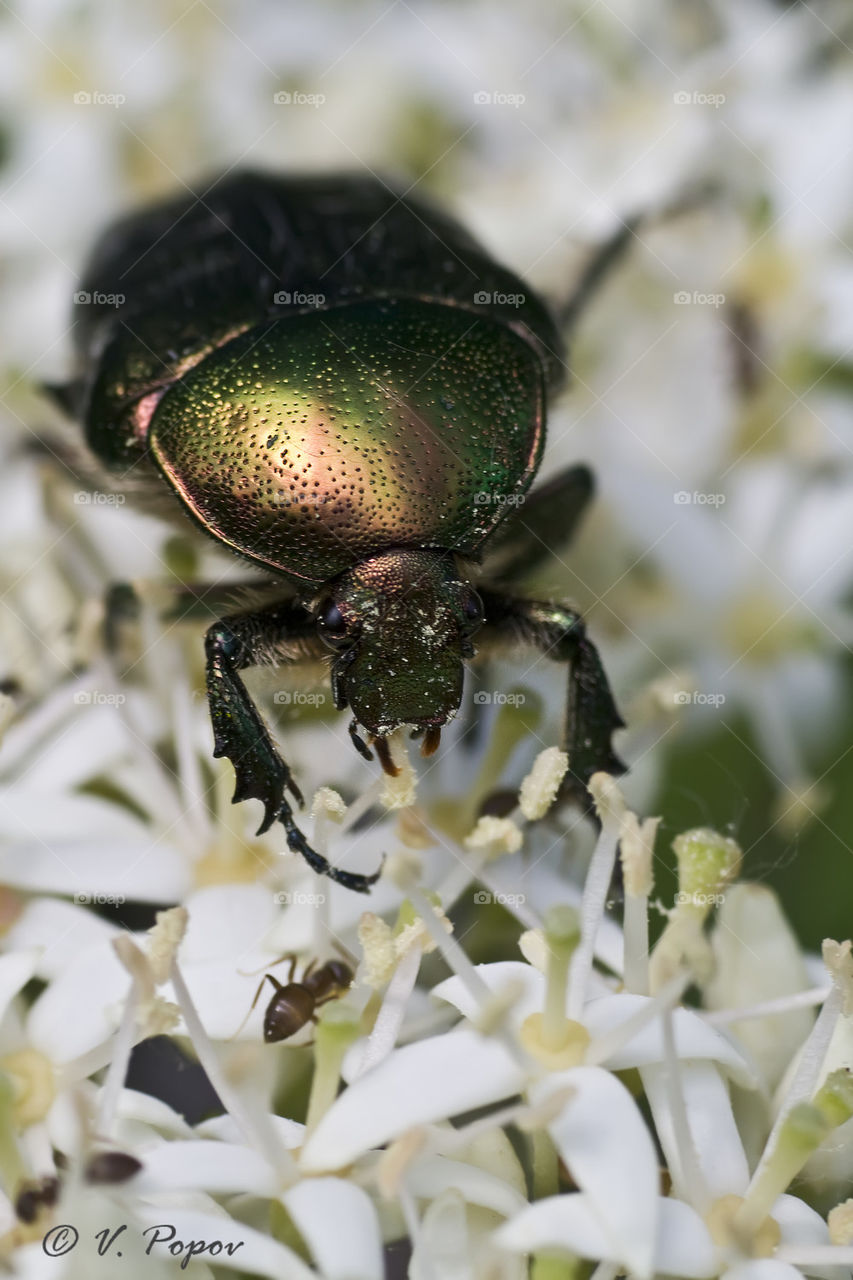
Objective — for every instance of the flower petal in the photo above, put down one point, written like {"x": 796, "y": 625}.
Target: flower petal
{"x": 353, "y": 1249}
{"x": 570, "y": 1222}
{"x": 81, "y": 1007}
{"x": 227, "y": 921}
{"x": 217, "y": 1167}
{"x": 290, "y": 1133}
{"x": 607, "y": 1147}
{"x": 800, "y": 1223}
{"x": 716, "y": 1140}
{"x": 693, "y": 1037}
{"x": 16, "y": 969}
{"x": 497, "y": 977}
{"x": 757, "y": 958}
{"x": 763, "y": 1269}
{"x": 61, "y": 929}
{"x": 431, "y": 1175}
{"x": 420, "y": 1083}
{"x": 254, "y": 1252}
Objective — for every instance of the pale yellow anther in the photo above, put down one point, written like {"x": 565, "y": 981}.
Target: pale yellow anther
{"x": 377, "y": 943}
{"x": 164, "y": 939}
{"x": 410, "y": 930}
{"x": 838, "y": 958}
{"x": 539, "y": 789}
{"x": 534, "y": 948}
{"x": 723, "y": 1222}
{"x": 494, "y": 836}
{"x": 157, "y": 1017}
{"x": 329, "y": 803}
{"x": 608, "y": 798}
{"x": 400, "y": 791}
{"x": 137, "y": 964}
{"x": 33, "y": 1085}
{"x": 840, "y": 1223}
{"x": 636, "y": 846}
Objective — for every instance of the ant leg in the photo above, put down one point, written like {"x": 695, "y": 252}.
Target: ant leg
{"x": 278, "y": 986}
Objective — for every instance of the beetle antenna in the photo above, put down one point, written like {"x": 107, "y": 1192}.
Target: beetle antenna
{"x": 384, "y": 753}
{"x": 358, "y": 742}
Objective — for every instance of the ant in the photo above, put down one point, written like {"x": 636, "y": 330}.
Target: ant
{"x": 294, "y": 1004}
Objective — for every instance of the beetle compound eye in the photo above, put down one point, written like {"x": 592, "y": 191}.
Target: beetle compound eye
{"x": 331, "y": 623}
{"x": 472, "y": 610}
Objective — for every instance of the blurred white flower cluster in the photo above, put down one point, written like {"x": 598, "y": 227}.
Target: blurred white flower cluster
{"x": 596, "y": 1102}
{"x": 564, "y": 1106}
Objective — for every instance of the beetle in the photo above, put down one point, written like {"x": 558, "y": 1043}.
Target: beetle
{"x": 294, "y": 1004}
{"x": 338, "y": 383}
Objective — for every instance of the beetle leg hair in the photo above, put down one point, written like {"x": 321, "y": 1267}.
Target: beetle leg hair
{"x": 231, "y": 645}
{"x": 591, "y": 714}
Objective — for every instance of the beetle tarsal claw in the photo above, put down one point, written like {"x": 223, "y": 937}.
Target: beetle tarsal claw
{"x": 431, "y": 741}
{"x": 384, "y": 753}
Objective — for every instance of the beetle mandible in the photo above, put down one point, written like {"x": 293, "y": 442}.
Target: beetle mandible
{"x": 338, "y": 383}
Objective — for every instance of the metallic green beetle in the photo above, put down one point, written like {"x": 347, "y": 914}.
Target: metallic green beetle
{"x": 339, "y": 384}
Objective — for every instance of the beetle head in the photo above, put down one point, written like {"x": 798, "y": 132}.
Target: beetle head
{"x": 402, "y": 623}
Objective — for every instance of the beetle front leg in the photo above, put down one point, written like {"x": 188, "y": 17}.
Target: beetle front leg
{"x": 231, "y": 645}
{"x": 591, "y": 714}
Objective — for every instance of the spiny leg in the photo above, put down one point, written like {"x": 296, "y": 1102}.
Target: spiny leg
{"x": 591, "y": 714}
{"x": 246, "y": 640}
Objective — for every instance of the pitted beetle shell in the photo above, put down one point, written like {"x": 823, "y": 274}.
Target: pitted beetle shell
{"x": 354, "y": 329}
{"x": 318, "y": 441}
